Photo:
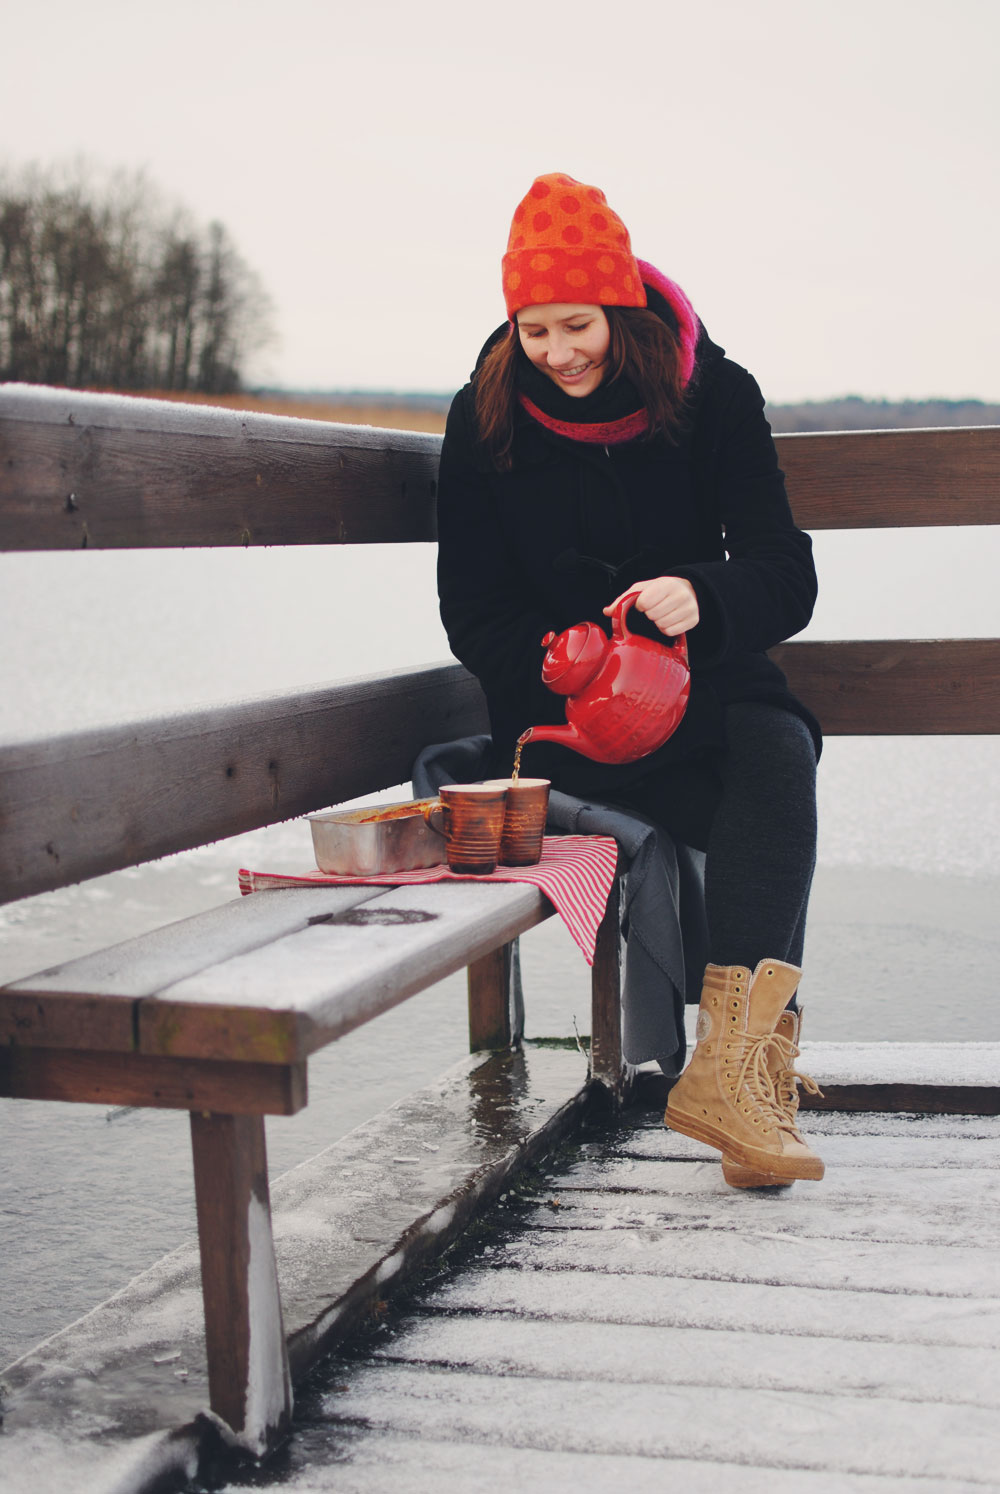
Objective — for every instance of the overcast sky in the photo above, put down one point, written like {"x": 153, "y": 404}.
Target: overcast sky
{"x": 820, "y": 177}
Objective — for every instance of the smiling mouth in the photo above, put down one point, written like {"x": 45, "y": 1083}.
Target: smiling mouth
{"x": 573, "y": 373}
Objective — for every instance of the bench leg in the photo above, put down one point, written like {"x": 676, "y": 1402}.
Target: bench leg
{"x": 606, "y": 1062}
{"x": 248, "y": 1377}
{"x": 496, "y": 1018}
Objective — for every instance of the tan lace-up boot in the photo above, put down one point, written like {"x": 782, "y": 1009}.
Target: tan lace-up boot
{"x": 726, "y": 1096}
{"x": 782, "y": 1051}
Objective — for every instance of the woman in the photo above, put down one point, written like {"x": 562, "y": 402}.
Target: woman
{"x": 606, "y": 444}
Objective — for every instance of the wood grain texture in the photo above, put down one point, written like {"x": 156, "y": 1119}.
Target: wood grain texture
{"x": 236, "y": 1034}
{"x": 94, "y": 801}
{"x": 248, "y": 1377}
{"x": 59, "y": 1019}
{"x": 894, "y": 478}
{"x": 154, "y": 1083}
{"x": 105, "y": 471}
{"x": 920, "y": 1099}
{"x": 829, "y": 1337}
{"x": 343, "y": 971}
{"x": 160, "y": 958}
{"x": 897, "y": 687}
{"x": 265, "y": 980}
{"x": 489, "y": 1000}
{"x": 96, "y": 471}
{"x": 607, "y": 1064}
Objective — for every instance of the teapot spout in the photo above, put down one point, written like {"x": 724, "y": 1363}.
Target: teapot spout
{"x": 565, "y": 736}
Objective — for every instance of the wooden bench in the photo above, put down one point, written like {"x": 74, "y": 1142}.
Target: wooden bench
{"x": 218, "y": 1014}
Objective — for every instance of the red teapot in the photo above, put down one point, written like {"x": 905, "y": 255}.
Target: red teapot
{"x": 626, "y": 695}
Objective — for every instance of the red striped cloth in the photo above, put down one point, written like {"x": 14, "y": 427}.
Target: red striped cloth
{"x": 575, "y": 873}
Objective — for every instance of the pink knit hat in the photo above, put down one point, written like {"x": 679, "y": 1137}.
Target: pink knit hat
{"x": 566, "y": 244}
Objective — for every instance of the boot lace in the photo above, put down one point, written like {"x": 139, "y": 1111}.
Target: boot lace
{"x": 755, "y": 1075}
{"x": 785, "y": 1079}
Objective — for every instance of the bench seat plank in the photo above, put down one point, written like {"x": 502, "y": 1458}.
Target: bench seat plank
{"x": 142, "y": 966}
{"x": 267, "y": 978}
{"x": 336, "y": 973}
{"x": 91, "y": 1002}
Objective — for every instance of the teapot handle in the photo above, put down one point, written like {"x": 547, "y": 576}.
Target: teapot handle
{"x": 620, "y": 631}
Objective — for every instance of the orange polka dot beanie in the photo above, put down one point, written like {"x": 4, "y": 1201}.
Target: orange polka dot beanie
{"x": 566, "y": 244}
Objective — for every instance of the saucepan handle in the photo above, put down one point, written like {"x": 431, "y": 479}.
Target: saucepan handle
{"x": 434, "y": 815}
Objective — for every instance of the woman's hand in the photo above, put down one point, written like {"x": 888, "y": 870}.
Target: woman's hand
{"x": 668, "y": 601}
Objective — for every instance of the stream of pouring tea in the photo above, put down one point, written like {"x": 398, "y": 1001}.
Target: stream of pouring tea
{"x": 521, "y": 741}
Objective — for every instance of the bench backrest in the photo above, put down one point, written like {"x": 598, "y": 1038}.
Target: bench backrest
{"x": 83, "y": 471}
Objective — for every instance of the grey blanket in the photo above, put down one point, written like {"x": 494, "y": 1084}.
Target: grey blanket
{"x": 663, "y": 911}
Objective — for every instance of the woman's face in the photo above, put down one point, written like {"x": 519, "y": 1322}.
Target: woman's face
{"x": 568, "y": 343}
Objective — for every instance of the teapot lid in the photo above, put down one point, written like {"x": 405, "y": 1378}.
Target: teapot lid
{"x": 577, "y": 652}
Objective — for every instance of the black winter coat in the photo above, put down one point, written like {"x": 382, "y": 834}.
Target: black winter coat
{"x": 555, "y": 539}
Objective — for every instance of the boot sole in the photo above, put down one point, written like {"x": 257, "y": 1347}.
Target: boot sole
{"x": 738, "y": 1176}
{"x": 754, "y": 1159}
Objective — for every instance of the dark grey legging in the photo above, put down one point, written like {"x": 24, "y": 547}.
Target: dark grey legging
{"x": 761, "y": 845}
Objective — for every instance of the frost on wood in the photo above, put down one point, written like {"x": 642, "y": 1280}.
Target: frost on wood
{"x": 943, "y": 1064}
{"x": 657, "y": 1328}
{"x": 269, "y": 1388}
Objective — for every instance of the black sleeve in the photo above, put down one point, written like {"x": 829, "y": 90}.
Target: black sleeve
{"x": 766, "y": 590}
{"x": 493, "y": 623}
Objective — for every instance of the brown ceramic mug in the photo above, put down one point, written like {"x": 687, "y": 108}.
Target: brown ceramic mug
{"x": 470, "y": 817}
{"x": 523, "y": 820}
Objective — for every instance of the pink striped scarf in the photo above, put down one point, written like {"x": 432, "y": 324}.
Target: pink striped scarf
{"x": 597, "y": 432}
{"x": 575, "y": 873}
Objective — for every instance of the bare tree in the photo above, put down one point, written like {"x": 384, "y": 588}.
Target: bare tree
{"x": 100, "y": 285}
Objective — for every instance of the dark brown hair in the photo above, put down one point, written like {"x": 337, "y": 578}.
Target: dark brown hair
{"x": 643, "y": 350}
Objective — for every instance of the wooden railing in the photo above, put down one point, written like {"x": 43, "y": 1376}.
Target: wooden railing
{"x": 106, "y": 471}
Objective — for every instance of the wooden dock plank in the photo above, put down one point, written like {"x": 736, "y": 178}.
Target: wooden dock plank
{"x": 685, "y": 1302}
{"x": 820, "y": 1333}
{"x": 731, "y": 1340}
{"x": 867, "y": 1266}
{"x": 806, "y": 1429}
{"x": 834, "y": 1216}
{"x": 391, "y": 1461}
{"x": 947, "y": 1271}
{"x": 885, "y": 1124}
{"x": 958, "y": 1149}
{"x": 915, "y": 1078}
{"x": 749, "y": 1358}
{"x": 863, "y": 1182}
